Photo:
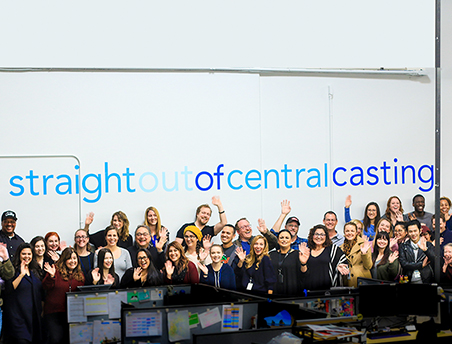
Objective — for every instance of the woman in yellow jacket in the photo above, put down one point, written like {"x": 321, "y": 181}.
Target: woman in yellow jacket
{"x": 358, "y": 253}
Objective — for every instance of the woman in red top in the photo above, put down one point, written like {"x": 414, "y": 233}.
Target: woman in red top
{"x": 178, "y": 269}
{"x": 65, "y": 277}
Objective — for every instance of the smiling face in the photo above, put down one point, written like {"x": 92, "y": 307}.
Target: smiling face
{"x": 245, "y": 231}
{"x": 350, "y": 232}
{"x": 384, "y": 226}
{"x": 81, "y": 238}
{"x": 319, "y": 237}
{"x": 143, "y": 260}
{"x": 8, "y": 226}
{"x": 400, "y": 232}
{"x": 40, "y": 248}
{"x": 108, "y": 260}
{"x": 394, "y": 205}
{"x": 414, "y": 233}
{"x": 190, "y": 239}
{"x": 284, "y": 240}
{"x": 448, "y": 252}
{"x": 330, "y": 222}
{"x": 53, "y": 243}
{"x": 216, "y": 254}
{"x": 419, "y": 204}
{"x": 152, "y": 218}
{"x": 382, "y": 243}
{"x": 444, "y": 206}
{"x": 371, "y": 212}
{"x": 293, "y": 228}
{"x": 203, "y": 216}
{"x": 227, "y": 235}
{"x": 142, "y": 237}
{"x": 259, "y": 246}
{"x": 442, "y": 224}
{"x": 117, "y": 222}
{"x": 359, "y": 227}
{"x": 72, "y": 262}
{"x": 173, "y": 254}
{"x": 112, "y": 237}
{"x": 26, "y": 255}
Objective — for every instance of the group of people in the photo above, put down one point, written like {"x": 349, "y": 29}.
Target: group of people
{"x": 38, "y": 274}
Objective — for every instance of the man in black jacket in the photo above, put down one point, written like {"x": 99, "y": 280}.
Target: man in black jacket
{"x": 416, "y": 256}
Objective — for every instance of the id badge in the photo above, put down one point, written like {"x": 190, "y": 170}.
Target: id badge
{"x": 249, "y": 286}
{"x": 280, "y": 276}
{"x": 416, "y": 274}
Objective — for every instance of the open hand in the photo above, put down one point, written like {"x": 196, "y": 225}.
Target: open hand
{"x": 96, "y": 275}
{"x": 203, "y": 268}
{"x": 285, "y": 207}
{"x": 50, "y": 269}
{"x": 261, "y": 226}
{"x": 240, "y": 253}
{"x": 169, "y": 267}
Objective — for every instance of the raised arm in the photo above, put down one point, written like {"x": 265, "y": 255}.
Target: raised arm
{"x": 223, "y": 220}
{"x": 285, "y": 210}
{"x": 348, "y": 203}
{"x": 89, "y": 220}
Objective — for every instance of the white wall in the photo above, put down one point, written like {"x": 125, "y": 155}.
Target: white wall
{"x": 166, "y": 123}
{"x": 162, "y": 122}
{"x": 170, "y": 34}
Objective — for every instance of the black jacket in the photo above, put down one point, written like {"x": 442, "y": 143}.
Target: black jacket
{"x": 409, "y": 264}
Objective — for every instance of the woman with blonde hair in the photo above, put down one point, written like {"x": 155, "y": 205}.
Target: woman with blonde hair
{"x": 120, "y": 221}
{"x": 152, "y": 220}
{"x": 255, "y": 271}
{"x": 358, "y": 253}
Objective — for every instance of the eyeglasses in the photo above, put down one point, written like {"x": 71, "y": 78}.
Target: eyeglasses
{"x": 142, "y": 234}
{"x": 142, "y": 258}
{"x": 78, "y": 237}
{"x": 246, "y": 226}
{"x": 321, "y": 235}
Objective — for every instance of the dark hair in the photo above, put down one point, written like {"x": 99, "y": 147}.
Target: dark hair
{"x": 153, "y": 277}
{"x": 183, "y": 261}
{"x": 282, "y": 231}
{"x": 100, "y": 263}
{"x": 400, "y": 223}
{"x": 418, "y": 195}
{"x": 35, "y": 240}
{"x": 311, "y": 243}
{"x": 77, "y": 274}
{"x": 414, "y": 222}
{"x": 232, "y": 226}
{"x": 366, "y": 220}
{"x": 33, "y": 266}
{"x": 387, "y": 250}
{"x": 329, "y": 212}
